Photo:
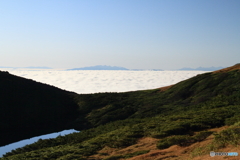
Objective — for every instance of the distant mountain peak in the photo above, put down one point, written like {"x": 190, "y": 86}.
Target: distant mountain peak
{"x": 100, "y": 67}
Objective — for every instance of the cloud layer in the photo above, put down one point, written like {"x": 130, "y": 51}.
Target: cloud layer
{"x": 106, "y": 81}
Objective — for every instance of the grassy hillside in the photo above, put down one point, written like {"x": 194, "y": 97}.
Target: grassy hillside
{"x": 182, "y": 115}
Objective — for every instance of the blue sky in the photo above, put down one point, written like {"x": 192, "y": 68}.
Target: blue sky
{"x": 136, "y": 34}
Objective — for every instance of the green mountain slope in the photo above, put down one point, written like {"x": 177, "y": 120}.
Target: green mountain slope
{"x": 180, "y": 115}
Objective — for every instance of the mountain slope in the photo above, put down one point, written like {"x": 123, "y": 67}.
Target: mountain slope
{"x": 182, "y": 114}
{"x": 140, "y": 104}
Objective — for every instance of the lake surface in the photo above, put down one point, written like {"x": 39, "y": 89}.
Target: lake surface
{"x": 22, "y": 143}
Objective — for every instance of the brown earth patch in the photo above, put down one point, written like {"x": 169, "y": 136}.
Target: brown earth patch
{"x": 162, "y": 89}
{"x": 146, "y": 143}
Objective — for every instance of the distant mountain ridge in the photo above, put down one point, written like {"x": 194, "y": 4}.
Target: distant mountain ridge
{"x": 202, "y": 68}
{"x": 105, "y": 67}
{"x": 100, "y": 67}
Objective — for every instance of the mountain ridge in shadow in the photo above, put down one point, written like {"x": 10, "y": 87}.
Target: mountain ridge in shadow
{"x": 30, "y": 108}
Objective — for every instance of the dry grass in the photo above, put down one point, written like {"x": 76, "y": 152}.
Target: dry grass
{"x": 236, "y": 66}
{"x": 174, "y": 152}
{"x": 162, "y": 89}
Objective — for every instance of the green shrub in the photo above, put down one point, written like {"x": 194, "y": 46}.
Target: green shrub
{"x": 182, "y": 140}
{"x": 237, "y": 124}
{"x": 173, "y": 140}
{"x": 232, "y": 120}
{"x": 228, "y": 136}
{"x": 202, "y": 135}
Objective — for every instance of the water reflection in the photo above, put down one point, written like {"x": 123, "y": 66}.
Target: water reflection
{"x": 22, "y": 143}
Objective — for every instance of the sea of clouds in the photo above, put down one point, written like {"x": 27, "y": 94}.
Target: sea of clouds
{"x": 106, "y": 81}
{"x": 98, "y": 81}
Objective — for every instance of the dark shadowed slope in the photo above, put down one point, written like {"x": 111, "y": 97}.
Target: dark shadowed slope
{"x": 29, "y": 109}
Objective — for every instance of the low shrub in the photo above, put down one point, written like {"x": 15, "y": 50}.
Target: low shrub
{"x": 228, "y": 136}
{"x": 232, "y": 120}
{"x": 173, "y": 140}
{"x": 201, "y": 136}
{"x": 182, "y": 140}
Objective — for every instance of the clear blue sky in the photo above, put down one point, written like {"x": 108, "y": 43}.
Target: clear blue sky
{"x": 136, "y": 34}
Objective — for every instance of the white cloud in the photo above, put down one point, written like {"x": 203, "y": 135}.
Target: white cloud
{"x": 106, "y": 81}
